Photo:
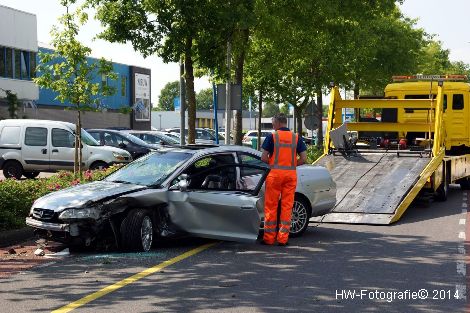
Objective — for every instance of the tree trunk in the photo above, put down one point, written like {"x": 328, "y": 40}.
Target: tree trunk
{"x": 319, "y": 118}
{"x": 298, "y": 119}
{"x": 239, "y": 80}
{"x": 76, "y": 143}
{"x": 190, "y": 94}
{"x": 260, "y": 109}
{"x": 79, "y": 126}
{"x": 356, "y": 91}
{"x": 357, "y": 112}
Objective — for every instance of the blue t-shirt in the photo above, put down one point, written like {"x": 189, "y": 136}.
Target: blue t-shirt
{"x": 268, "y": 143}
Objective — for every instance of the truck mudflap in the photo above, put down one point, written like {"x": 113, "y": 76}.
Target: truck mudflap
{"x": 375, "y": 188}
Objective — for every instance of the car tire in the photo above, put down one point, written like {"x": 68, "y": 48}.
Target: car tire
{"x": 31, "y": 175}
{"x": 137, "y": 231}
{"x": 12, "y": 169}
{"x": 301, "y": 213}
{"x": 98, "y": 165}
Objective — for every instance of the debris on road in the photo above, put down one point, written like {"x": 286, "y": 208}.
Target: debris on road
{"x": 39, "y": 252}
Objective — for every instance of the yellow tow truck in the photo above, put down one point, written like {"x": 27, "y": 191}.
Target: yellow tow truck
{"x": 418, "y": 146}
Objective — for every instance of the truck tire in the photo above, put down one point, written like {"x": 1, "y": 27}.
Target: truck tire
{"x": 301, "y": 213}
{"x": 137, "y": 231}
{"x": 12, "y": 169}
{"x": 31, "y": 175}
{"x": 464, "y": 183}
{"x": 442, "y": 191}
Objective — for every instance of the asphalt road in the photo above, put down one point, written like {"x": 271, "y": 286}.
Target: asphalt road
{"x": 424, "y": 251}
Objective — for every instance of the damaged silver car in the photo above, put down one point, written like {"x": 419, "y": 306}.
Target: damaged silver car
{"x": 214, "y": 192}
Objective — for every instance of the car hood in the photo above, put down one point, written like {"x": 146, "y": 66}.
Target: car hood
{"x": 78, "y": 196}
{"x": 110, "y": 149}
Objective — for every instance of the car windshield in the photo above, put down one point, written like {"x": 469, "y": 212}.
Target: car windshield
{"x": 135, "y": 140}
{"x": 169, "y": 139}
{"x": 151, "y": 169}
{"x": 86, "y": 138}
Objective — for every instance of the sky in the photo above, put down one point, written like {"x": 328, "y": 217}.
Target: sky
{"x": 446, "y": 19}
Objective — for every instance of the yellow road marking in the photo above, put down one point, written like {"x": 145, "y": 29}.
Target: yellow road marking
{"x": 71, "y": 306}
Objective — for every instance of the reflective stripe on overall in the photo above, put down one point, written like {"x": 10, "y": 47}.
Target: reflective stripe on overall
{"x": 280, "y": 183}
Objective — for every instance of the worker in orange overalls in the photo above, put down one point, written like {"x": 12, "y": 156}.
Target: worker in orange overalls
{"x": 280, "y": 151}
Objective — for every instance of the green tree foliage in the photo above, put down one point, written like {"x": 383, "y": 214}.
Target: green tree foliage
{"x": 204, "y": 99}
{"x": 167, "y": 95}
{"x": 298, "y": 47}
{"x": 270, "y": 109}
{"x": 67, "y": 71}
{"x": 434, "y": 59}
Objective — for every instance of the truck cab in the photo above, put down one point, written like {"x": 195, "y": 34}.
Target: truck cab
{"x": 455, "y": 107}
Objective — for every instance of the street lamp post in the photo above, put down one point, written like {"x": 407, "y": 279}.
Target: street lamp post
{"x": 160, "y": 116}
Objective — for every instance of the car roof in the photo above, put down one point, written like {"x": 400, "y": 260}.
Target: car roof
{"x": 198, "y": 150}
{"x": 34, "y": 121}
{"x": 107, "y": 130}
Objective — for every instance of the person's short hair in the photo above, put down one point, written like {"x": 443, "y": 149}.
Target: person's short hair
{"x": 280, "y": 117}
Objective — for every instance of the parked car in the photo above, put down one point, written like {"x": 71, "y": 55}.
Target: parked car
{"x": 202, "y": 135}
{"x": 114, "y": 138}
{"x": 210, "y": 192}
{"x": 254, "y": 134}
{"x": 28, "y": 147}
{"x": 154, "y": 137}
{"x": 221, "y": 135}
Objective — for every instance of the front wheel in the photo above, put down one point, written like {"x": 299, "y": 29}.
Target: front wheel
{"x": 98, "y": 166}
{"x": 12, "y": 169}
{"x": 300, "y": 217}
{"x": 137, "y": 231}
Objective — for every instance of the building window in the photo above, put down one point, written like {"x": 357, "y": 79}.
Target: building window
{"x": 123, "y": 85}
{"x": 9, "y": 62}
{"x": 17, "y": 72}
{"x": 24, "y": 65}
{"x": 2, "y": 61}
{"x": 32, "y": 64}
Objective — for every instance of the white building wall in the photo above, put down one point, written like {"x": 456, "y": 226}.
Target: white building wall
{"x": 166, "y": 119}
{"x": 18, "y": 30}
{"x": 24, "y": 89}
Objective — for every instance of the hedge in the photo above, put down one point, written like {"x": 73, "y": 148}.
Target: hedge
{"x": 17, "y": 196}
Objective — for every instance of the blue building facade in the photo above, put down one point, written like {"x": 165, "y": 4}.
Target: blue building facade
{"x": 120, "y": 99}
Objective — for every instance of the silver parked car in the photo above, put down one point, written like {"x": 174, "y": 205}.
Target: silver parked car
{"x": 206, "y": 192}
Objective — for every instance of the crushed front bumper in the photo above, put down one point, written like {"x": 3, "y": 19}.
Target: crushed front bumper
{"x": 49, "y": 226}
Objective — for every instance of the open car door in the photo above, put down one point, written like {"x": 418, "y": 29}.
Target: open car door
{"x": 223, "y": 207}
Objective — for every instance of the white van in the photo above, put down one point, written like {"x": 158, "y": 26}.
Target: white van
{"x": 28, "y": 147}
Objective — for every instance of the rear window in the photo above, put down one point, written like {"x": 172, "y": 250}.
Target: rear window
{"x": 10, "y": 135}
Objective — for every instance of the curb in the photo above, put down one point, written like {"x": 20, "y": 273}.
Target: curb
{"x": 11, "y": 237}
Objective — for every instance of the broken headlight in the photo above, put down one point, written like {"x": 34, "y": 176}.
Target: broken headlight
{"x": 84, "y": 213}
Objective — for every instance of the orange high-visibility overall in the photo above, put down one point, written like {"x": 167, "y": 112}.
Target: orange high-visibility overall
{"x": 280, "y": 183}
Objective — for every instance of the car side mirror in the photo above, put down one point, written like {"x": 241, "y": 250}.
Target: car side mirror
{"x": 122, "y": 145}
{"x": 183, "y": 183}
